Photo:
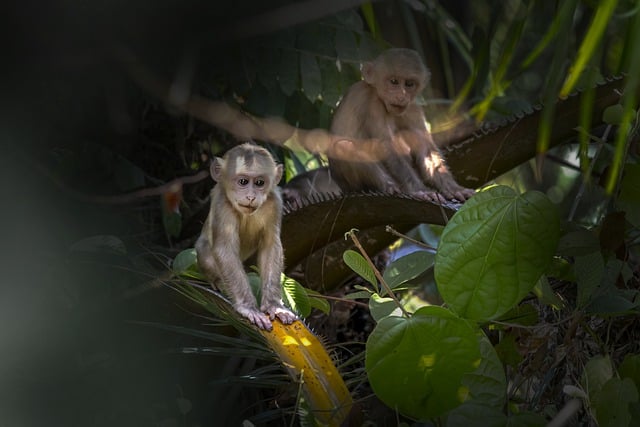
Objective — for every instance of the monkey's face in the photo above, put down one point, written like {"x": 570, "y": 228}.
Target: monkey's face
{"x": 397, "y": 93}
{"x": 248, "y": 192}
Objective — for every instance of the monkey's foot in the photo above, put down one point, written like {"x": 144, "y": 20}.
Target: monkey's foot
{"x": 460, "y": 194}
{"x": 430, "y": 196}
{"x": 256, "y": 317}
{"x": 285, "y": 315}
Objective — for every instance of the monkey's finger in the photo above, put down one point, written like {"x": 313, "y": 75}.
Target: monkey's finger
{"x": 260, "y": 320}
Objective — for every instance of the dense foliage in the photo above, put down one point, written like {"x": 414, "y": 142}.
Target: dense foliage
{"x": 526, "y": 303}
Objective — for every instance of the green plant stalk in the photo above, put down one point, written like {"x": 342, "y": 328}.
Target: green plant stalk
{"x": 630, "y": 101}
{"x": 384, "y": 284}
{"x": 499, "y": 82}
{"x": 563, "y": 18}
{"x": 588, "y": 99}
{"x": 589, "y": 44}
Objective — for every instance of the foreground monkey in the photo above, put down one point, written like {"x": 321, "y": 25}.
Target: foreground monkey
{"x": 383, "y": 107}
{"x": 244, "y": 220}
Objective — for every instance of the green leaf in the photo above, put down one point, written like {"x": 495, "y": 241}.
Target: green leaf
{"x": 629, "y": 199}
{"x": 612, "y": 404}
{"x": 545, "y": 293}
{"x": 474, "y": 414}
{"x": 417, "y": 365}
{"x": 331, "y": 89}
{"x": 526, "y": 419}
{"x": 296, "y": 296}
{"x": 381, "y": 307}
{"x": 185, "y": 260}
{"x": 317, "y": 301}
{"x": 407, "y": 267}
{"x": 288, "y": 75}
{"x": 612, "y": 115}
{"x": 508, "y": 351}
{"x": 494, "y": 250}
{"x": 357, "y": 263}
{"x": 597, "y": 372}
{"x": 311, "y": 76}
{"x": 589, "y": 271}
{"x": 488, "y": 383}
{"x": 581, "y": 242}
{"x": 172, "y": 222}
{"x": 630, "y": 368}
{"x": 346, "y": 44}
{"x": 359, "y": 295}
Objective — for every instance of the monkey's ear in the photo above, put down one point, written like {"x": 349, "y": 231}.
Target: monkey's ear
{"x": 216, "y": 168}
{"x": 368, "y": 72}
{"x": 278, "y": 176}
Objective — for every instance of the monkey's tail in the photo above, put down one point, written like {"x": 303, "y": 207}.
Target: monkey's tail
{"x": 307, "y": 361}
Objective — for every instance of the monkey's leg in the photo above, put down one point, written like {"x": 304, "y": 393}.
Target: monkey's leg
{"x": 224, "y": 268}
{"x": 270, "y": 260}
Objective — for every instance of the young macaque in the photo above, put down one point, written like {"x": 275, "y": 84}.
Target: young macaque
{"x": 309, "y": 184}
{"x": 382, "y": 107}
{"x": 244, "y": 220}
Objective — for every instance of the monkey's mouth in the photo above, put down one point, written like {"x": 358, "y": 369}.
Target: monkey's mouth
{"x": 247, "y": 208}
{"x": 396, "y": 108}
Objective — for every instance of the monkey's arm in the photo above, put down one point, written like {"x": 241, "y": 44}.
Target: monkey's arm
{"x": 270, "y": 264}
{"x": 428, "y": 160}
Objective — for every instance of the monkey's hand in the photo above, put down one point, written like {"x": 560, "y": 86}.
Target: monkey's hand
{"x": 462, "y": 194}
{"x": 255, "y": 316}
{"x": 285, "y": 315}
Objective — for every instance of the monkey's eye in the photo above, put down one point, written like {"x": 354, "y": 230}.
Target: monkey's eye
{"x": 394, "y": 81}
{"x": 259, "y": 182}
{"x": 243, "y": 182}
{"x": 409, "y": 83}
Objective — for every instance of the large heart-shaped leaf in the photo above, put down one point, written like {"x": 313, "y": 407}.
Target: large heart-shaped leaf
{"x": 417, "y": 365}
{"x": 494, "y": 250}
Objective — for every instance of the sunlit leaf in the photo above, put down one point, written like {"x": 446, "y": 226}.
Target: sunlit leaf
{"x": 380, "y": 307}
{"x": 494, "y": 250}
{"x": 416, "y": 365}
{"x": 357, "y": 263}
{"x": 407, "y": 267}
{"x": 296, "y": 296}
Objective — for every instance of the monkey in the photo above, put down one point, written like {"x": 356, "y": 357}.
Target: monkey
{"x": 309, "y": 184}
{"x": 383, "y": 107}
{"x": 244, "y": 220}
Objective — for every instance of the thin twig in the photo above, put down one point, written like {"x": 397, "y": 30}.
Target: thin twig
{"x": 384, "y": 284}
{"x": 583, "y": 185}
{"x": 390, "y": 229}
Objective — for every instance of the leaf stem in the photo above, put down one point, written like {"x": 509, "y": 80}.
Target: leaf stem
{"x": 384, "y": 284}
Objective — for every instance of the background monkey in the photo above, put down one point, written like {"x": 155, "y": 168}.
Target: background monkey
{"x": 244, "y": 220}
{"x": 383, "y": 107}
